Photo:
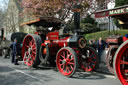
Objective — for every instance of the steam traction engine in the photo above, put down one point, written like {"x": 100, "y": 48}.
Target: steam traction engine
{"x": 117, "y": 58}
{"x": 68, "y": 51}
{"x": 120, "y": 63}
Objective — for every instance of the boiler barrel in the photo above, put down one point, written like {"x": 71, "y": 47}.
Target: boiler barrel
{"x": 72, "y": 41}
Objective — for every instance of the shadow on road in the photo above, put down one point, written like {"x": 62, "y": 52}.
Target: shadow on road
{"x": 88, "y": 75}
{"x": 5, "y": 69}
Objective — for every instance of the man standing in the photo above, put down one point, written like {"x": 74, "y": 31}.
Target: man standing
{"x": 14, "y": 52}
{"x": 101, "y": 45}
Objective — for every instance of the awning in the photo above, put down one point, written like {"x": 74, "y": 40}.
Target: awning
{"x": 44, "y": 22}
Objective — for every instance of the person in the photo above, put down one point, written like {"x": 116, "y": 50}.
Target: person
{"x": 15, "y": 52}
{"x": 101, "y": 45}
{"x": 92, "y": 43}
{"x": 125, "y": 37}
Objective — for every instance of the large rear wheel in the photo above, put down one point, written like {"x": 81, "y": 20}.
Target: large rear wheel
{"x": 30, "y": 50}
{"x": 66, "y": 61}
{"x": 109, "y": 58}
{"x": 121, "y": 63}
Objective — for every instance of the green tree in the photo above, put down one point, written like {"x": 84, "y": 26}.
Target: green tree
{"x": 121, "y": 2}
{"x": 89, "y": 25}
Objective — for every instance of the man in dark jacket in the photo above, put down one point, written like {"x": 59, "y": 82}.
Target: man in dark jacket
{"x": 101, "y": 45}
{"x": 14, "y": 52}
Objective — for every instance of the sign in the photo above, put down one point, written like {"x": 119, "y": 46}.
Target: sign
{"x": 101, "y": 14}
{"x": 118, "y": 11}
{"x": 112, "y": 12}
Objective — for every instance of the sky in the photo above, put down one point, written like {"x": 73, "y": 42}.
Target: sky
{"x": 2, "y": 3}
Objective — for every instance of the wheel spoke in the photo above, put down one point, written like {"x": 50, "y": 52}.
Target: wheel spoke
{"x": 126, "y": 70}
{"x": 71, "y": 63}
{"x": 68, "y": 55}
{"x": 91, "y": 61}
{"x": 123, "y": 62}
{"x": 91, "y": 54}
{"x": 67, "y": 69}
{"x": 34, "y": 53}
{"x": 30, "y": 43}
{"x": 63, "y": 55}
{"x": 27, "y": 46}
{"x": 71, "y": 67}
{"x": 62, "y": 66}
{"x": 71, "y": 59}
{"x": 33, "y": 46}
{"x": 32, "y": 56}
{"x": 33, "y": 49}
{"x": 61, "y": 60}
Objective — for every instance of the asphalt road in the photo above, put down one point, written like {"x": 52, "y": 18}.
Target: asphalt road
{"x": 22, "y": 75}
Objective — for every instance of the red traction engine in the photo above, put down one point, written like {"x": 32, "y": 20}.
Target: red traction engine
{"x": 120, "y": 62}
{"x": 67, "y": 52}
{"x": 117, "y": 58}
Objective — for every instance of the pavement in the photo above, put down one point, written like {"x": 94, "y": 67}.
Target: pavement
{"x": 22, "y": 75}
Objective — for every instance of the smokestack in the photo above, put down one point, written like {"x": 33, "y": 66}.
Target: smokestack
{"x": 77, "y": 20}
{"x": 76, "y": 11}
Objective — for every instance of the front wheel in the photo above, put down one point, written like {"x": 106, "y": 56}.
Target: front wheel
{"x": 66, "y": 61}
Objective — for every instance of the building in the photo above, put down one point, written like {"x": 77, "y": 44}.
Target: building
{"x": 13, "y": 19}
{"x": 106, "y": 22}
{"x": 120, "y": 13}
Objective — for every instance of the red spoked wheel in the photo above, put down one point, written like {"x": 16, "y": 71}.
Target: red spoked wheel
{"x": 109, "y": 59}
{"x": 30, "y": 50}
{"x": 88, "y": 59}
{"x": 121, "y": 63}
{"x": 66, "y": 61}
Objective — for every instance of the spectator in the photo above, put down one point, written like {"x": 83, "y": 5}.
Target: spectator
{"x": 92, "y": 43}
{"x": 15, "y": 52}
{"x": 125, "y": 37}
{"x": 101, "y": 45}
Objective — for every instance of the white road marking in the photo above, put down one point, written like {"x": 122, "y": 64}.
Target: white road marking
{"x": 110, "y": 76}
{"x": 29, "y": 75}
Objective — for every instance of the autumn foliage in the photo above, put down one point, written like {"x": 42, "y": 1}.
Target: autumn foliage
{"x": 56, "y": 8}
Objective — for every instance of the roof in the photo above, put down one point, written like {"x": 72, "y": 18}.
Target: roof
{"x": 44, "y": 22}
{"x": 124, "y": 6}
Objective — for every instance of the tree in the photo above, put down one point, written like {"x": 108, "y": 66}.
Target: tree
{"x": 12, "y": 17}
{"x": 1, "y": 18}
{"x": 121, "y": 2}
{"x": 61, "y": 9}
{"x": 3, "y": 8}
{"x": 89, "y": 25}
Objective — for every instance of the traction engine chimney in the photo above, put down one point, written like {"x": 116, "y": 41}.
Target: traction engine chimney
{"x": 76, "y": 11}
